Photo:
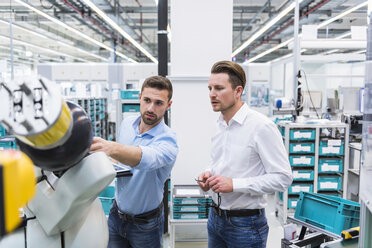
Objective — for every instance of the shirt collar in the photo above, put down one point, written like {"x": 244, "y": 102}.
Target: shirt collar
{"x": 239, "y": 116}
{"x": 152, "y": 132}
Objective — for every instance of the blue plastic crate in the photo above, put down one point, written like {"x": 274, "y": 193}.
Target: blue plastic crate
{"x": 129, "y": 94}
{"x": 107, "y": 198}
{"x": 190, "y": 216}
{"x": 2, "y": 131}
{"x": 301, "y": 148}
{"x": 303, "y": 175}
{"x": 302, "y": 134}
{"x": 330, "y": 165}
{"x": 191, "y": 201}
{"x": 329, "y": 183}
{"x": 133, "y": 108}
{"x": 302, "y": 160}
{"x": 7, "y": 143}
{"x": 295, "y": 189}
{"x": 331, "y": 213}
{"x": 190, "y": 208}
{"x": 326, "y": 149}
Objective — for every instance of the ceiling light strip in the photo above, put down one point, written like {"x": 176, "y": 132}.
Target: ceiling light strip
{"x": 27, "y": 5}
{"x": 266, "y": 27}
{"x": 119, "y": 29}
{"x": 59, "y": 42}
{"x": 42, "y": 48}
{"x": 320, "y": 25}
{"x": 348, "y": 11}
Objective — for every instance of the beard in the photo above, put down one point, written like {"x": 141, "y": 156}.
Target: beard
{"x": 150, "y": 121}
{"x": 223, "y": 107}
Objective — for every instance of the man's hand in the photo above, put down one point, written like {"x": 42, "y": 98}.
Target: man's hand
{"x": 101, "y": 145}
{"x": 202, "y": 180}
{"x": 220, "y": 184}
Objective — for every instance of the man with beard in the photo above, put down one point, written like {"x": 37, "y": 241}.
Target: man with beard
{"x": 248, "y": 161}
{"x": 149, "y": 148}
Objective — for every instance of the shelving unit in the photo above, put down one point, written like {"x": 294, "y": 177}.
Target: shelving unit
{"x": 96, "y": 108}
{"x": 319, "y": 157}
{"x": 127, "y": 105}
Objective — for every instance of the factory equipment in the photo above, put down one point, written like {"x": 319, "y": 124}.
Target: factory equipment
{"x": 56, "y": 135}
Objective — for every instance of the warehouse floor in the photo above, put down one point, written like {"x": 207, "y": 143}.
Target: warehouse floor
{"x": 274, "y": 239}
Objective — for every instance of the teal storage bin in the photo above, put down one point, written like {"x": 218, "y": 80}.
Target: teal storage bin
{"x": 329, "y": 183}
{"x": 295, "y": 189}
{"x": 302, "y": 160}
{"x": 182, "y": 209}
{"x": 325, "y": 149}
{"x": 190, "y": 216}
{"x": 133, "y": 108}
{"x": 2, "y": 131}
{"x": 191, "y": 201}
{"x": 302, "y": 134}
{"x": 292, "y": 202}
{"x": 303, "y": 175}
{"x": 129, "y": 94}
{"x": 107, "y": 198}
{"x": 330, "y": 166}
{"x": 301, "y": 148}
{"x": 330, "y": 213}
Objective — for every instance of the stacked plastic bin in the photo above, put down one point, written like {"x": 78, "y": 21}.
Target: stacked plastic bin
{"x": 330, "y": 166}
{"x": 6, "y": 141}
{"x": 302, "y": 160}
{"x": 96, "y": 109}
{"x": 107, "y": 198}
{"x": 330, "y": 213}
{"x": 190, "y": 202}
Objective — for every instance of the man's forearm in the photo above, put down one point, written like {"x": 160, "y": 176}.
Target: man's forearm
{"x": 128, "y": 155}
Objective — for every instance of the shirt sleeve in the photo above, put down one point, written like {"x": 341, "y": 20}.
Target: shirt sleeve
{"x": 274, "y": 158}
{"x": 162, "y": 152}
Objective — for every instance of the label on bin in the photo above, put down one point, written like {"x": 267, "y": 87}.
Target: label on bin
{"x": 298, "y": 188}
{"x": 298, "y": 148}
{"x": 189, "y": 209}
{"x": 327, "y": 167}
{"x": 302, "y": 160}
{"x": 328, "y": 185}
{"x": 299, "y": 134}
{"x": 293, "y": 204}
{"x": 296, "y": 174}
{"x": 331, "y": 149}
{"x": 334, "y": 142}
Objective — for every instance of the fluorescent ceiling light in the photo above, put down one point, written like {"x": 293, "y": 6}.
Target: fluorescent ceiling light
{"x": 291, "y": 39}
{"x": 59, "y": 42}
{"x": 86, "y": 37}
{"x": 348, "y": 11}
{"x": 42, "y": 48}
{"x": 266, "y": 27}
{"x": 343, "y": 35}
{"x": 169, "y": 35}
{"x": 119, "y": 29}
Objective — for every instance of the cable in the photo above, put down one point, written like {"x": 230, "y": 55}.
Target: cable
{"x": 311, "y": 99}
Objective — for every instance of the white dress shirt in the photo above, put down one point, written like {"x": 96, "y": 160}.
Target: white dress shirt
{"x": 249, "y": 150}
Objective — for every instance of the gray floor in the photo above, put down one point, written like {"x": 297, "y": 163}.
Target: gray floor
{"x": 274, "y": 239}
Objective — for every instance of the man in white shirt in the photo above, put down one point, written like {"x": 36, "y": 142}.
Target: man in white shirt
{"x": 248, "y": 161}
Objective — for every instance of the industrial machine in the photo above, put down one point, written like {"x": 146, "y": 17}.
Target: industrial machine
{"x": 56, "y": 135}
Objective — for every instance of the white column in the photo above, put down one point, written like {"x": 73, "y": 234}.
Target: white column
{"x": 201, "y": 36}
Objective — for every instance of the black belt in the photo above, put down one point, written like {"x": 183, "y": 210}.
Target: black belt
{"x": 139, "y": 218}
{"x": 235, "y": 213}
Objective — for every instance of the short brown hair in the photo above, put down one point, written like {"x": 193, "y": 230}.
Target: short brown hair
{"x": 160, "y": 83}
{"x": 234, "y": 70}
